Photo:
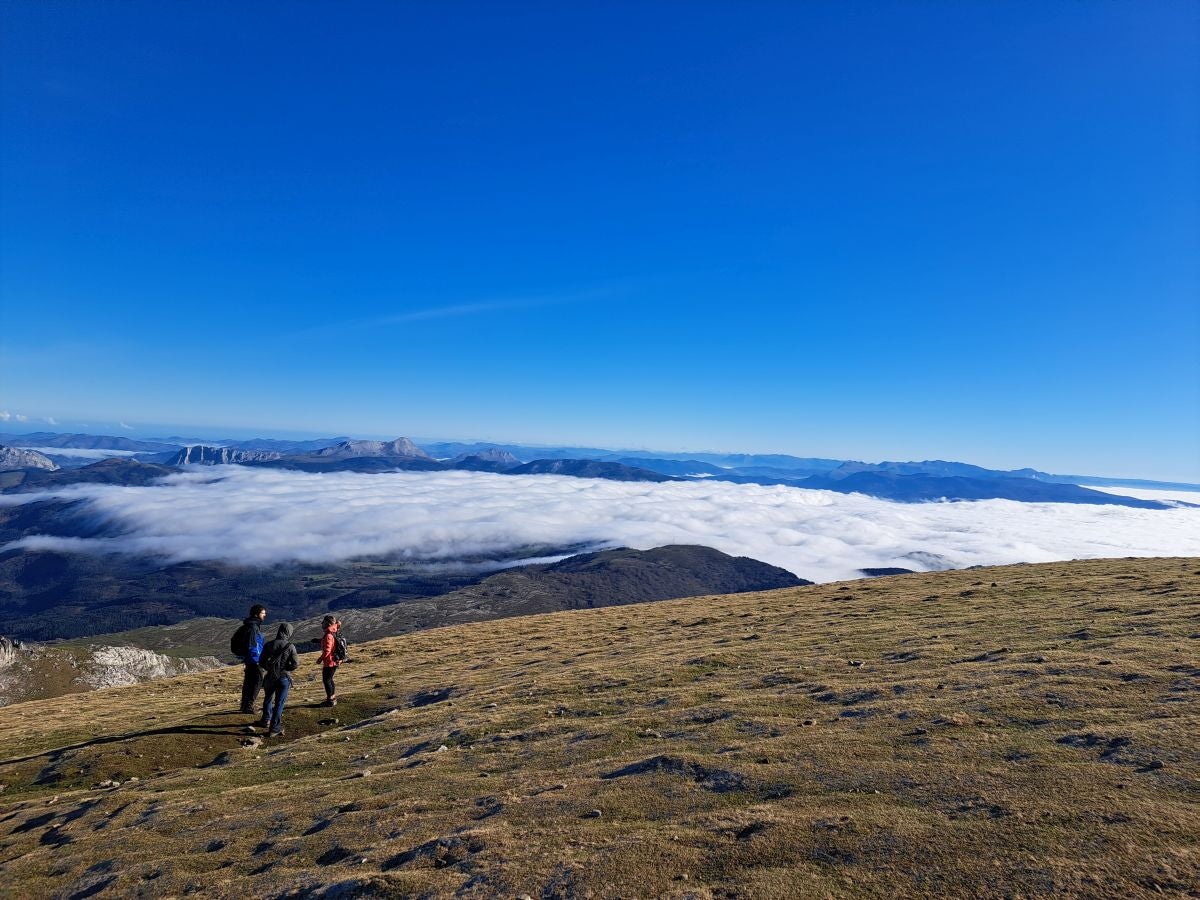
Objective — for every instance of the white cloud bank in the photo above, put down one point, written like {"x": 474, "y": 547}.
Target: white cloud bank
{"x": 79, "y": 453}
{"x": 264, "y": 516}
{"x": 1150, "y": 493}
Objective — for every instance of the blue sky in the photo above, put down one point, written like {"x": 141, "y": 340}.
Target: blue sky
{"x": 865, "y": 230}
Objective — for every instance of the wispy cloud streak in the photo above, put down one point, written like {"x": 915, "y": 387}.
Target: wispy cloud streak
{"x": 458, "y": 310}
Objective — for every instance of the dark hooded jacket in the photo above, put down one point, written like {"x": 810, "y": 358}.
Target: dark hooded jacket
{"x": 279, "y": 656}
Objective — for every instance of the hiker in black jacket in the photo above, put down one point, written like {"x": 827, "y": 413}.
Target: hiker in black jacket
{"x": 278, "y": 660}
{"x": 247, "y": 645}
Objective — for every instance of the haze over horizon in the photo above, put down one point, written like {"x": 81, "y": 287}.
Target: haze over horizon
{"x": 857, "y": 231}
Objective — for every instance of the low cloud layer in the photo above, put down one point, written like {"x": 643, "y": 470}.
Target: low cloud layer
{"x": 265, "y": 516}
{"x": 79, "y": 453}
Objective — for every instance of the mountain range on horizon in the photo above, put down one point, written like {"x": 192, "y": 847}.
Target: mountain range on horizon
{"x": 31, "y": 461}
{"x": 675, "y": 463}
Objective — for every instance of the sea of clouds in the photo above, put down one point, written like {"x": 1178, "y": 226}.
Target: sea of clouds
{"x": 265, "y": 516}
{"x": 79, "y": 453}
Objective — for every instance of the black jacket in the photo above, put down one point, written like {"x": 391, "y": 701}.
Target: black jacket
{"x": 279, "y": 656}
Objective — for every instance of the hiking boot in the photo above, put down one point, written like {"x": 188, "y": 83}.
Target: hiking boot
{"x": 277, "y": 733}
{"x": 247, "y": 712}
{"x": 263, "y": 723}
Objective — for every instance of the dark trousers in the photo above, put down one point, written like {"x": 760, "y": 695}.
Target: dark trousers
{"x": 327, "y": 673}
{"x": 275, "y": 694}
{"x": 251, "y": 682}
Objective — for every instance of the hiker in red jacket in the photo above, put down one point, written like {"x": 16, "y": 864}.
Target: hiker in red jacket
{"x": 333, "y": 654}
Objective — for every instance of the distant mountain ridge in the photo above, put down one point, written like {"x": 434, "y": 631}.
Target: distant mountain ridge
{"x": 907, "y": 482}
{"x": 918, "y": 487}
{"x": 117, "y": 470}
{"x": 587, "y": 468}
{"x": 85, "y": 442}
{"x": 48, "y": 595}
{"x": 932, "y": 467}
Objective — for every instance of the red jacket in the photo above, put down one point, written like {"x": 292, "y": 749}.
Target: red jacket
{"x": 327, "y": 659}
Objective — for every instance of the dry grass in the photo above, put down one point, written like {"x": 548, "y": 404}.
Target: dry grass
{"x": 1035, "y": 736}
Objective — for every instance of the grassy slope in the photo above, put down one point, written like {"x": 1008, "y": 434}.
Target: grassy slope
{"x": 1033, "y": 737}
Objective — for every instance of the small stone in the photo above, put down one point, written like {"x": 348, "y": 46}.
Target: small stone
{"x": 854, "y": 662}
{"x": 132, "y": 778}
{"x": 365, "y": 773}
{"x": 681, "y": 877}
{"x": 809, "y": 722}
{"x": 594, "y": 814}
{"x": 442, "y": 749}
{"x": 494, "y": 706}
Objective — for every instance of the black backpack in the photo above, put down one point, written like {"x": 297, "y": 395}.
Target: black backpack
{"x": 274, "y": 662}
{"x": 239, "y": 644}
{"x": 340, "y": 648}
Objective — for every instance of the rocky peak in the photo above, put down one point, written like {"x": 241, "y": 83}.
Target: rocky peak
{"x": 16, "y": 458}
{"x": 490, "y": 455}
{"x": 200, "y": 455}
{"x": 401, "y": 447}
{"x": 8, "y": 651}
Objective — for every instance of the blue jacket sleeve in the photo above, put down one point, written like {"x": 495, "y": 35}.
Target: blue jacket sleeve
{"x": 256, "y": 647}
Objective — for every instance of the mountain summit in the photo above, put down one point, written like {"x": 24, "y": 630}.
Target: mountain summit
{"x": 15, "y": 458}
{"x": 952, "y": 734}
{"x": 199, "y": 455}
{"x": 401, "y": 447}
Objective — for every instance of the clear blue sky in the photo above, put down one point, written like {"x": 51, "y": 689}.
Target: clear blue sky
{"x": 868, "y": 230}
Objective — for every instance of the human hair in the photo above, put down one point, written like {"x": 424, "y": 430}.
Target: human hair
{"x": 327, "y": 621}
{"x": 257, "y": 610}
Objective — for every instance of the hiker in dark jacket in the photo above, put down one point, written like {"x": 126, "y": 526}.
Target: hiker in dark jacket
{"x": 248, "y": 644}
{"x": 279, "y": 660}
